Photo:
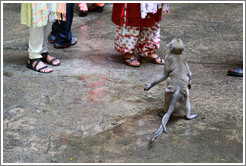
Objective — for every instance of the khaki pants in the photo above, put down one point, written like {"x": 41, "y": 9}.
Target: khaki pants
{"x": 38, "y": 41}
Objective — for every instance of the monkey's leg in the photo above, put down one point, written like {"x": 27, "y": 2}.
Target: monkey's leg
{"x": 167, "y": 101}
{"x": 189, "y": 74}
{"x": 157, "y": 81}
{"x": 188, "y": 115}
{"x": 175, "y": 97}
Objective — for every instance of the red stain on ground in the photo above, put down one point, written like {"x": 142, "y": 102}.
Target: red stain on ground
{"x": 64, "y": 138}
{"x": 95, "y": 84}
{"x": 105, "y": 78}
{"x": 97, "y": 92}
{"x": 98, "y": 87}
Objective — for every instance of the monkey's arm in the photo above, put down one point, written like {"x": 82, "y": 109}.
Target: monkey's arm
{"x": 161, "y": 78}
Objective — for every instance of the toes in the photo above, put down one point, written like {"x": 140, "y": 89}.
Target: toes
{"x": 50, "y": 58}
{"x": 135, "y": 63}
{"x": 56, "y": 62}
{"x": 46, "y": 70}
{"x": 160, "y": 60}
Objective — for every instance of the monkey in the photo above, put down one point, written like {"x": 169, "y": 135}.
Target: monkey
{"x": 177, "y": 75}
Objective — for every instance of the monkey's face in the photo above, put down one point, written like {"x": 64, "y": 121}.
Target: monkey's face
{"x": 176, "y": 45}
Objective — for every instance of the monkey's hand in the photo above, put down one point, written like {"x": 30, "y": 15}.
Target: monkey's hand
{"x": 189, "y": 86}
{"x": 147, "y": 86}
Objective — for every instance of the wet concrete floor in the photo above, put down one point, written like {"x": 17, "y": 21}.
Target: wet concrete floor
{"x": 92, "y": 108}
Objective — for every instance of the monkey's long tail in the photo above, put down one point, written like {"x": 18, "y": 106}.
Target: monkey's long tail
{"x": 156, "y": 134}
{"x": 161, "y": 128}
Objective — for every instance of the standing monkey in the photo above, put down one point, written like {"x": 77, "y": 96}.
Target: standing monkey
{"x": 178, "y": 76}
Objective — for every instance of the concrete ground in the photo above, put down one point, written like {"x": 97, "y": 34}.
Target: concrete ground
{"x": 93, "y": 109}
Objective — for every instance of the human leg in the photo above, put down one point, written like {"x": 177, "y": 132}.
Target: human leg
{"x": 149, "y": 41}
{"x": 97, "y": 6}
{"x": 125, "y": 43}
{"x": 46, "y": 57}
{"x": 63, "y": 34}
{"x": 36, "y": 39}
{"x": 83, "y": 9}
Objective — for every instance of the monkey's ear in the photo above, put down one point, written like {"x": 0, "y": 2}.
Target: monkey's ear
{"x": 182, "y": 43}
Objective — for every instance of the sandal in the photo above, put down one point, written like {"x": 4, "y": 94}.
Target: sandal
{"x": 130, "y": 61}
{"x": 44, "y": 59}
{"x": 157, "y": 60}
{"x": 73, "y": 42}
{"x": 96, "y": 7}
{"x": 238, "y": 72}
{"x": 30, "y": 65}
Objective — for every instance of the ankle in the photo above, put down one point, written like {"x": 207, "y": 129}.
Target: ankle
{"x": 129, "y": 55}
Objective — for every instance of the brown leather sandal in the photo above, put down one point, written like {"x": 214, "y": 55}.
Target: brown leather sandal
{"x": 131, "y": 61}
{"x": 150, "y": 59}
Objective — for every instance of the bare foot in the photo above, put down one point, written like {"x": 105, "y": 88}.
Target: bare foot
{"x": 154, "y": 58}
{"x": 131, "y": 60}
{"x": 50, "y": 59}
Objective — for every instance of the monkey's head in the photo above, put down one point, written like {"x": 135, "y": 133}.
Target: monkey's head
{"x": 176, "y": 46}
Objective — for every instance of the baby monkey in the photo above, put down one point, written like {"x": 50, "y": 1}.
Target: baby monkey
{"x": 178, "y": 76}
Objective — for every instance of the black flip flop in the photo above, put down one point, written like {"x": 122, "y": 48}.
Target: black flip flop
{"x": 44, "y": 59}
{"x": 238, "y": 72}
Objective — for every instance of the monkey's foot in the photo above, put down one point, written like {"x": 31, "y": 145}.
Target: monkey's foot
{"x": 147, "y": 87}
{"x": 189, "y": 117}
